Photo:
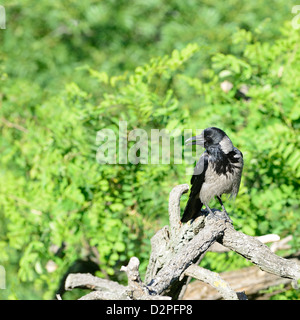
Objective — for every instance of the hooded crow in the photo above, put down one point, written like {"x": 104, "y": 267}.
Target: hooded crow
{"x": 218, "y": 171}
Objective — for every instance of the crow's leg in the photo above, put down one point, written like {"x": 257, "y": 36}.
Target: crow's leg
{"x": 208, "y": 208}
{"x": 224, "y": 210}
{"x": 221, "y": 203}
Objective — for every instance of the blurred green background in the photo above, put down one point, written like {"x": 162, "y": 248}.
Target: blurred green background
{"x": 71, "y": 68}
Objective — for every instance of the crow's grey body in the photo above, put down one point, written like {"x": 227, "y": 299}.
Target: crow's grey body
{"x": 217, "y": 184}
{"x": 217, "y": 172}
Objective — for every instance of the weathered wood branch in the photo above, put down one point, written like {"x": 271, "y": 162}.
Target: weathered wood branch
{"x": 251, "y": 280}
{"x": 268, "y": 238}
{"x": 181, "y": 260}
{"x": 213, "y": 279}
{"x": 176, "y": 251}
{"x": 104, "y": 289}
{"x": 260, "y": 254}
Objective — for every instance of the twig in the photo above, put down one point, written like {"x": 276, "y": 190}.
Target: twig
{"x": 282, "y": 244}
{"x": 213, "y": 279}
{"x": 13, "y": 125}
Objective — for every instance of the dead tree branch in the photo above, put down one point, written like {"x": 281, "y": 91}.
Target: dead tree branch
{"x": 176, "y": 251}
{"x": 104, "y": 289}
{"x": 213, "y": 279}
{"x": 251, "y": 280}
{"x": 260, "y": 254}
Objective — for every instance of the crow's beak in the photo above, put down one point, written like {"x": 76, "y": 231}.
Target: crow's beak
{"x": 199, "y": 140}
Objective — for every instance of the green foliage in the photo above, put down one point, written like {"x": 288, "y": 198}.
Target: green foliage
{"x": 56, "y": 195}
{"x": 279, "y": 293}
{"x": 68, "y": 71}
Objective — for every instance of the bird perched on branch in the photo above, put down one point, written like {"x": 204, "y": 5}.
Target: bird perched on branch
{"x": 217, "y": 172}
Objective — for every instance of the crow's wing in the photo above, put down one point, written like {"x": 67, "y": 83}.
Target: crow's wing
{"x": 194, "y": 204}
{"x": 238, "y": 163}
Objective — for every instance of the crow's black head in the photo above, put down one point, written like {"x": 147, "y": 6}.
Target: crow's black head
{"x": 213, "y": 137}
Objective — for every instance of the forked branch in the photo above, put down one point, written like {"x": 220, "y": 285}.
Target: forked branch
{"x": 176, "y": 251}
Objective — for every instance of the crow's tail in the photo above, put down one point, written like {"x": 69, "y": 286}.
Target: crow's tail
{"x": 193, "y": 206}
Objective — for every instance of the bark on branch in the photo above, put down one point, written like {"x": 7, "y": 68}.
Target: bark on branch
{"x": 260, "y": 254}
{"x": 176, "y": 251}
{"x": 214, "y": 279}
